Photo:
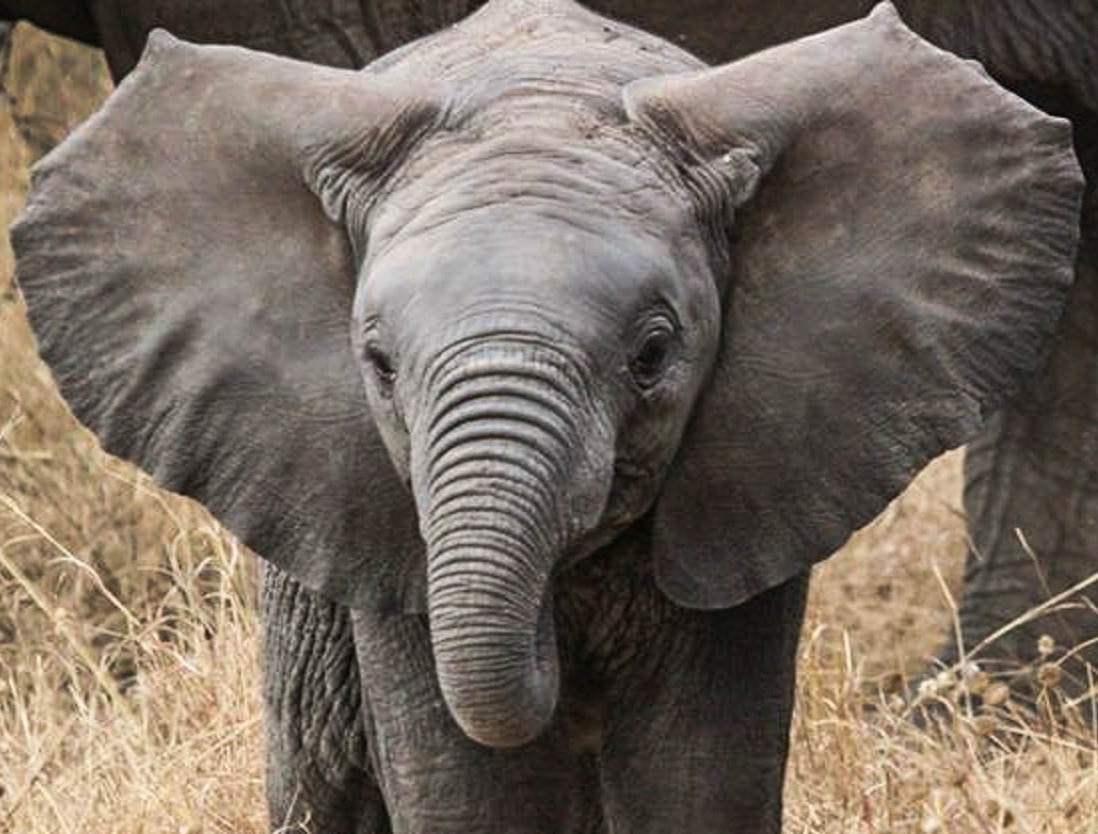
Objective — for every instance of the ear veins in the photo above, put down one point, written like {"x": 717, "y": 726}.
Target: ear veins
{"x": 349, "y": 173}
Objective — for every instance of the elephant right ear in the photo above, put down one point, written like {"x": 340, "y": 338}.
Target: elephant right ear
{"x": 193, "y": 298}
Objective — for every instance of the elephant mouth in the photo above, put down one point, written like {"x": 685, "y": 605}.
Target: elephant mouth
{"x": 629, "y": 498}
{"x": 631, "y": 493}
{"x": 630, "y": 469}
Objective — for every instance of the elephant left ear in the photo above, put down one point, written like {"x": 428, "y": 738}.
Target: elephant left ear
{"x": 898, "y": 273}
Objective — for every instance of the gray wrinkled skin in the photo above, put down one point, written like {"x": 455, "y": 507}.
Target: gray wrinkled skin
{"x": 541, "y": 362}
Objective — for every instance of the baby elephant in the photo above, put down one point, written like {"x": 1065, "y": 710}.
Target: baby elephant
{"x": 541, "y": 362}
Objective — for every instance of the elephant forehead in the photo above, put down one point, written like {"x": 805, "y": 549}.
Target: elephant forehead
{"x": 510, "y": 260}
{"x": 599, "y": 182}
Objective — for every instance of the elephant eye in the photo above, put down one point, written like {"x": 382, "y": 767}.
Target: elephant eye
{"x": 382, "y": 366}
{"x": 650, "y": 360}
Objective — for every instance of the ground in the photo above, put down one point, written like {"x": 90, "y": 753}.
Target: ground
{"x": 128, "y": 635}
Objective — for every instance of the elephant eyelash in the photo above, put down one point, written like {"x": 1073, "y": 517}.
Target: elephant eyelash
{"x": 382, "y": 365}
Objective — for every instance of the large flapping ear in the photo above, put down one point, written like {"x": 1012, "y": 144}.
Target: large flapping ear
{"x": 897, "y": 274}
{"x": 194, "y": 299}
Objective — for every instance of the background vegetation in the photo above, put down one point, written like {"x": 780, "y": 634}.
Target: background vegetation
{"x": 128, "y": 636}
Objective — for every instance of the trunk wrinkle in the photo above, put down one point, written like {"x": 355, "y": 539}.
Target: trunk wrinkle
{"x": 510, "y": 347}
{"x": 522, "y": 426}
{"x": 483, "y": 472}
{"x": 489, "y": 575}
{"x": 555, "y": 401}
{"x": 512, "y": 437}
{"x": 482, "y": 535}
{"x": 517, "y": 496}
{"x": 469, "y": 466}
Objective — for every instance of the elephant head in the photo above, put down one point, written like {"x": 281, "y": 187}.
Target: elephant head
{"x": 444, "y": 326}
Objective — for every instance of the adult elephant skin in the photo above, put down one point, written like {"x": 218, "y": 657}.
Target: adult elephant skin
{"x": 340, "y": 33}
{"x": 643, "y": 339}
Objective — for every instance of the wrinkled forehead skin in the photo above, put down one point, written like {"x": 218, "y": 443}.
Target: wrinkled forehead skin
{"x": 531, "y": 113}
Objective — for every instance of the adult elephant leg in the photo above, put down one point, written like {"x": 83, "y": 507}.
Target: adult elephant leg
{"x": 317, "y": 766}
{"x": 1031, "y": 487}
{"x": 697, "y": 731}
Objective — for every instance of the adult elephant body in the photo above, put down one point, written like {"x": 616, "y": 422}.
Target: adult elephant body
{"x": 364, "y": 700}
{"x": 1044, "y": 47}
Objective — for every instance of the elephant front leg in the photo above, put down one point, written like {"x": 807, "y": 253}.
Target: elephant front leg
{"x": 697, "y": 730}
{"x": 1031, "y": 491}
{"x": 317, "y": 772}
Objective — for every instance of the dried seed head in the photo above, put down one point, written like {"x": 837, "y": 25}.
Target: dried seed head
{"x": 1049, "y": 675}
{"x": 970, "y": 669}
{"x": 958, "y": 774}
{"x": 997, "y": 694}
{"x": 977, "y": 683}
{"x": 892, "y": 683}
{"x": 928, "y": 688}
{"x": 994, "y": 811}
{"x": 1045, "y": 645}
{"x": 984, "y": 725}
{"x": 62, "y": 621}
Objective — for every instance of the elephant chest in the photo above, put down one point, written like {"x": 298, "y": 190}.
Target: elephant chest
{"x": 614, "y": 629}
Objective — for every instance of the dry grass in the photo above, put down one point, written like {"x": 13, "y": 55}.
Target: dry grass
{"x": 128, "y": 680}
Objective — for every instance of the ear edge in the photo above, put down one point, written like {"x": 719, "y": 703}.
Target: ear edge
{"x": 160, "y": 42}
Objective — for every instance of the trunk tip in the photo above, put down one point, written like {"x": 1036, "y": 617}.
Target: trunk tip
{"x": 508, "y": 731}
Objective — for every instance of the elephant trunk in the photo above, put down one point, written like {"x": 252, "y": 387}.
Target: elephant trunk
{"x": 505, "y": 486}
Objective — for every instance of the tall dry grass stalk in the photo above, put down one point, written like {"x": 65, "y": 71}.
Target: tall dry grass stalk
{"x": 128, "y": 678}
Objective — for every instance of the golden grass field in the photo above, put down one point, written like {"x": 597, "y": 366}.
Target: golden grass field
{"x": 128, "y": 635}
